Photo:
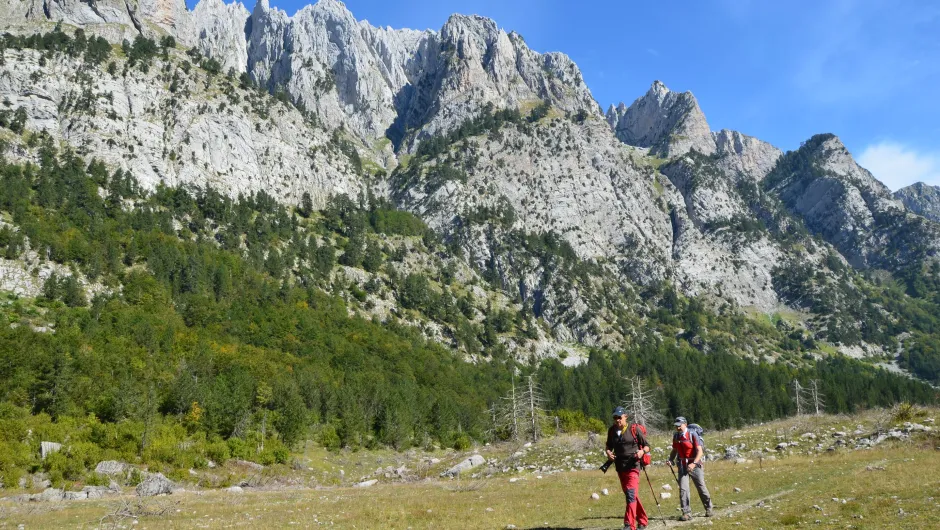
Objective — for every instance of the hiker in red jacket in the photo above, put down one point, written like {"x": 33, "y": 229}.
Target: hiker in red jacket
{"x": 626, "y": 447}
{"x": 688, "y": 446}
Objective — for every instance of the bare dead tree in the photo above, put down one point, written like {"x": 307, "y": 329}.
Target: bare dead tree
{"x": 641, "y": 403}
{"x": 533, "y": 406}
{"x": 819, "y": 399}
{"x": 799, "y": 397}
{"x": 520, "y": 413}
{"x": 506, "y": 415}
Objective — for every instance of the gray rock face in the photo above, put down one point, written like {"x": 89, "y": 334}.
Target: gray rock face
{"x": 921, "y": 199}
{"x": 240, "y": 143}
{"x": 220, "y": 33}
{"x": 154, "y": 484}
{"x": 373, "y": 80}
{"x": 669, "y": 123}
{"x": 745, "y": 156}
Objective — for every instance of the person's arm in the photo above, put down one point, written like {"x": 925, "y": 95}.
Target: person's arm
{"x": 609, "y": 448}
{"x": 644, "y": 446}
{"x": 672, "y": 456}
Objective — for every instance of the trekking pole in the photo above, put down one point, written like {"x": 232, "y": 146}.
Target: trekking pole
{"x": 674, "y": 474}
{"x": 658, "y": 507}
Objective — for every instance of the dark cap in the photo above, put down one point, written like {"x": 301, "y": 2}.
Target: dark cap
{"x": 680, "y": 420}
{"x": 619, "y": 411}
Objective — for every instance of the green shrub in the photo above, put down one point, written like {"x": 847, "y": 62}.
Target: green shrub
{"x": 463, "y": 442}
{"x": 97, "y": 479}
{"x": 329, "y": 438}
{"x": 11, "y": 477}
{"x": 218, "y": 451}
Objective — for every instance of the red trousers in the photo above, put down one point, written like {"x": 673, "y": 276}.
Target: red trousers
{"x": 635, "y": 514}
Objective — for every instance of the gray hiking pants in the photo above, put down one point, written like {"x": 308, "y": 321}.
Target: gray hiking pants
{"x": 698, "y": 477}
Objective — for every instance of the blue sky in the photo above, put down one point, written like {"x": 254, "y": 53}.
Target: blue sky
{"x": 866, "y": 70}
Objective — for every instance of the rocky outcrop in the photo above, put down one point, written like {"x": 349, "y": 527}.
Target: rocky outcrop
{"x": 220, "y": 33}
{"x": 921, "y": 199}
{"x": 666, "y": 122}
{"x": 154, "y": 484}
{"x": 469, "y": 463}
{"x": 743, "y": 156}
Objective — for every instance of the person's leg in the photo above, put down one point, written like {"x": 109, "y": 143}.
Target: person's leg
{"x": 684, "y": 491}
{"x": 632, "y": 493}
{"x": 625, "y": 486}
{"x": 698, "y": 477}
{"x": 641, "y": 518}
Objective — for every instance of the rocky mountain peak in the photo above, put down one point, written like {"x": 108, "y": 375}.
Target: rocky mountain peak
{"x": 668, "y": 123}
{"x": 745, "y": 156}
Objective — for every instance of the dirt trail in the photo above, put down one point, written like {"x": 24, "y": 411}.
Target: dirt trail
{"x": 672, "y": 520}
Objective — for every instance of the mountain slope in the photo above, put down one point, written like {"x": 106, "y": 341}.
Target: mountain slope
{"x": 848, "y": 207}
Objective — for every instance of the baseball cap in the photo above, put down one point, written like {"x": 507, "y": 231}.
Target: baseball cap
{"x": 680, "y": 420}
{"x": 619, "y": 411}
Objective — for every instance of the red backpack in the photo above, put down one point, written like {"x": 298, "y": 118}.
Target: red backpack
{"x": 646, "y": 459}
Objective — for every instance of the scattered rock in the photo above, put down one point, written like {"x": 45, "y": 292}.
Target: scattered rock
{"x": 667, "y": 487}
{"x": 50, "y": 494}
{"x": 469, "y": 463}
{"x": 367, "y": 484}
{"x": 235, "y": 489}
{"x": 605, "y": 492}
{"x": 246, "y": 463}
{"x": 665, "y": 495}
{"x": 154, "y": 484}
{"x": 737, "y": 490}
{"x": 595, "y": 496}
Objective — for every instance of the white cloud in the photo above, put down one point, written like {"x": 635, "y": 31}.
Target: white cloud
{"x": 899, "y": 166}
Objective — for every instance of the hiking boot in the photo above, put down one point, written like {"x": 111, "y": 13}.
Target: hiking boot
{"x": 641, "y": 527}
{"x": 708, "y": 512}
{"x": 686, "y": 517}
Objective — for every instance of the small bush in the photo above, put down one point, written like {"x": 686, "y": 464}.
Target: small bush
{"x": 462, "y": 443}
{"x": 329, "y": 438}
